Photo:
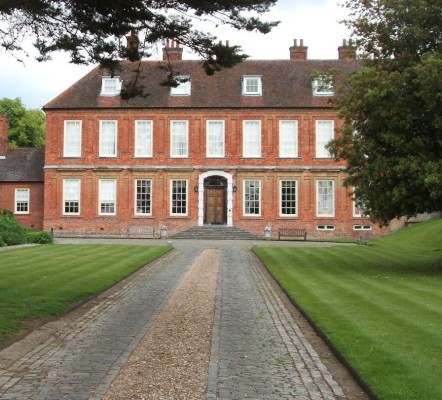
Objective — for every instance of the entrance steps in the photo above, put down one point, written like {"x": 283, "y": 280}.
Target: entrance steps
{"x": 216, "y": 232}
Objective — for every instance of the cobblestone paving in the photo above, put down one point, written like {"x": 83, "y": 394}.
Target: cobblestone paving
{"x": 258, "y": 352}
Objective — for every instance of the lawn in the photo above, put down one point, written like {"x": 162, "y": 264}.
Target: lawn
{"x": 379, "y": 305}
{"x": 45, "y": 281}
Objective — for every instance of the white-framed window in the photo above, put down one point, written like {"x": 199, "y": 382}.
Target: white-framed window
{"x": 143, "y": 197}
{"x": 251, "y": 138}
{"x": 362, "y": 227}
{"x": 71, "y": 196}
{"x": 143, "y": 138}
{"x": 110, "y": 86}
{"x": 324, "y": 133}
{"x": 358, "y": 209}
{"x": 322, "y": 86}
{"x": 72, "y": 139}
{"x": 178, "y": 197}
{"x": 22, "y": 201}
{"x": 325, "y": 198}
{"x": 179, "y": 138}
{"x": 215, "y": 136}
{"x": 325, "y": 227}
{"x": 288, "y": 205}
{"x": 252, "y": 197}
{"x": 108, "y": 139}
{"x": 251, "y": 85}
{"x": 183, "y": 88}
{"x": 107, "y": 197}
{"x": 288, "y": 138}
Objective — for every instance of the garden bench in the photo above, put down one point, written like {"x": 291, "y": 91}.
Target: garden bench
{"x": 141, "y": 232}
{"x": 292, "y": 233}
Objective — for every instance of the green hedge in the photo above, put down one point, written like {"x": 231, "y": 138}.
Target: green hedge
{"x": 12, "y": 233}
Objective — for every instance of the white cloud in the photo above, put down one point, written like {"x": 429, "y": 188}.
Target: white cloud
{"x": 315, "y": 21}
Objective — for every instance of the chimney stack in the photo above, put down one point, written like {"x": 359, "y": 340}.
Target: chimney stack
{"x": 4, "y": 125}
{"x": 347, "y": 51}
{"x": 133, "y": 47}
{"x": 172, "y": 51}
{"x": 298, "y": 52}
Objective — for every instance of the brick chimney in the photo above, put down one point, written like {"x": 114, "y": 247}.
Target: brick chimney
{"x": 133, "y": 47}
{"x": 298, "y": 52}
{"x": 4, "y": 125}
{"x": 172, "y": 51}
{"x": 347, "y": 51}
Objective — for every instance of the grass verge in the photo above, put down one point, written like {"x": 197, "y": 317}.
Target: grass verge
{"x": 45, "y": 281}
{"x": 380, "y": 305}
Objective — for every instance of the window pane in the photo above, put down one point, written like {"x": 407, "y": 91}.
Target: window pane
{"x": 288, "y": 197}
{"x": 183, "y": 89}
{"x": 288, "y": 138}
{"x": 71, "y": 196}
{"x": 179, "y": 197}
{"x": 324, "y": 133}
{"x": 107, "y": 196}
{"x": 108, "y": 138}
{"x": 252, "y": 85}
{"x": 143, "y": 139}
{"x": 143, "y": 196}
{"x": 179, "y": 136}
{"x": 72, "y": 139}
{"x": 252, "y": 198}
{"x": 215, "y": 138}
{"x": 252, "y": 139}
{"x": 22, "y": 201}
{"x": 325, "y": 198}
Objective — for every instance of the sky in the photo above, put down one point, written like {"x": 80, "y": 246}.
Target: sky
{"x": 314, "y": 21}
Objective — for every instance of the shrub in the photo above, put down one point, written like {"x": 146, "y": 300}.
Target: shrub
{"x": 11, "y": 232}
{"x": 39, "y": 237}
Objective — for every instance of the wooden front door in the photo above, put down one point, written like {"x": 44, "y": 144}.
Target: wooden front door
{"x": 215, "y": 205}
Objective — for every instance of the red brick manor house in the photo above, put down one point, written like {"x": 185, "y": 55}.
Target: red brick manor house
{"x": 243, "y": 148}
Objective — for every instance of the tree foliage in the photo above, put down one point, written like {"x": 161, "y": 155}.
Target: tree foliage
{"x": 26, "y": 127}
{"x": 392, "y": 108}
{"x": 94, "y": 31}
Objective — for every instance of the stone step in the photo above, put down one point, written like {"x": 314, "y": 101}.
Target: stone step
{"x": 215, "y": 232}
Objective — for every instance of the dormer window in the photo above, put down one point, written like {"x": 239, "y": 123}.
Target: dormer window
{"x": 183, "y": 88}
{"x": 251, "y": 86}
{"x": 322, "y": 86}
{"x": 110, "y": 86}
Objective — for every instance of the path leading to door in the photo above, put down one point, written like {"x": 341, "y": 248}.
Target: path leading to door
{"x": 255, "y": 349}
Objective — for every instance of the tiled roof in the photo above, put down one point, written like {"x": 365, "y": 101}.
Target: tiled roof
{"x": 285, "y": 83}
{"x": 22, "y": 165}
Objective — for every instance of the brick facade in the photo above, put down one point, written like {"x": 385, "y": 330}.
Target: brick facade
{"x": 286, "y": 96}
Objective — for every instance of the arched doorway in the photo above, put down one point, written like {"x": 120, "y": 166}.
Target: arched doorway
{"x": 215, "y": 200}
{"x": 217, "y": 184}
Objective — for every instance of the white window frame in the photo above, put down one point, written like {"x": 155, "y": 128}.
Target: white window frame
{"x": 320, "y": 199}
{"x": 22, "y": 197}
{"x": 103, "y": 145}
{"x": 360, "y": 227}
{"x": 143, "y": 140}
{"x": 252, "y": 85}
{"x": 281, "y": 199}
{"x": 147, "y": 199}
{"x": 251, "y": 143}
{"x": 185, "y": 199}
{"x": 215, "y": 139}
{"x": 72, "y": 138}
{"x": 74, "y": 196}
{"x": 288, "y": 138}
{"x": 104, "y": 199}
{"x": 110, "y": 86}
{"x": 322, "y": 86}
{"x": 358, "y": 211}
{"x": 323, "y": 137}
{"x": 179, "y": 148}
{"x": 249, "y": 197}
{"x": 183, "y": 88}
{"x": 325, "y": 227}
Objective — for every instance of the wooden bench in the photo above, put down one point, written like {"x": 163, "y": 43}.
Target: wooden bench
{"x": 292, "y": 233}
{"x": 141, "y": 232}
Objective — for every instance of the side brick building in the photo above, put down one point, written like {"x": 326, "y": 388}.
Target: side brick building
{"x": 243, "y": 148}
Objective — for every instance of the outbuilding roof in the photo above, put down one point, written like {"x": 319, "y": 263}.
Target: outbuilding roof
{"x": 22, "y": 164}
{"x": 285, "y": 84}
